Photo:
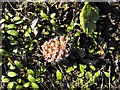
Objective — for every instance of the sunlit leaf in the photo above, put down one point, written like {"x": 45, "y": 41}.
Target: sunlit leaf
{"x": 19, "y": 87}
{"x": 43, "y": 15}
{"x": 34, "y": 85}
{"x": 88, "y": 74}
{"x": 77, "y": 34}
{"x": 26, "y": 84}
{"x": 52, "y": 15}
{"x": 107, "y": 74}
{"x": 97, "y": 74}
{"x": 92, "y": 67}
{"x": 81, "y": 74}
{"x": 18, "y": 64}
{"x": 10, "y": 85}
{"x": 11, "y": 26}
{"x": 4, "y": 80}
{"x": 58, "y": 75}
{"x": 113, "y": 78}
{"x": 11, "y": 74}
{"x": 13, "y": 32}
{"x": 31, "y": 78}
{"x": 30, "y": 71}
{"x": 69, "y": 69}
{"x": 16, "y": 18}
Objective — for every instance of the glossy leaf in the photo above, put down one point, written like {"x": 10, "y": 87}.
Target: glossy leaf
{"x": 58, "y": 75}
{"x": 31, "y": 78}
{"x": 34, "y": 85}
{"x": 13, "y": 32}
{"x": 12, "y": 74}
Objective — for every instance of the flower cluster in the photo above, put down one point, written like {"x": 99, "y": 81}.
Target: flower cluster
{"x": 55, "y": 49}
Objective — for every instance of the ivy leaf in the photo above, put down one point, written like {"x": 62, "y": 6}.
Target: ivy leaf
{"x": 13, "y": 32}
{"x": 58, "y": 75}
{"x": 88, "y": 17}
{"x": 31, "y": 78}
{"x": 12, "y": 74}
{"x": 34, "y": 85}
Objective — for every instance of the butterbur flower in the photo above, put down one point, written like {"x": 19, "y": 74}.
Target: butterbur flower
{"x": 55, "y": 49}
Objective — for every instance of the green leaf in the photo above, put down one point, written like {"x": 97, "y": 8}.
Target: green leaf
{"x": 69, "y": 69}
{"x": 26, "y": 84}
{"x": 12, "y": 67}
{"x": 1, "y": 63}
{"x": 97, "y": 74}
{"x": 19, "y": 22}
{"x": 113, "y": 78}
{"x": 18, "y": 64}
{"x": 82, "y": 67}
{"x": 30, "y": 71}
{"x": 19, "y": 87}
{"x": 107, "y": 74}
{"x": 52, "y": 15}
{"x": 4, "y": 80}
{"x": 11, "y": 26}
{"x": 69, "y": 28}
{"x": 14, "y": 42}
{"x": 31, "y": 78}
{"x": 43, "y": 15}
{"x": 88, "y": 17}
{"x": 13, "y": 32}
{"x": 88, "y": 74}
{"x": 52, "y": 21}
{"x": 34, "y": 85}
{"x": 11, "y": 74}
{"x": 77, "y": 34}
{"x": 58, "y": 75}
{"x": 10, "y": 85}
{"x": 2, "y": 21}
{"x": 81, "y": 74}
{"x": 3, "y": 52}
{"x": 92, "y": 67}
{"x": 16, "y": 18}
